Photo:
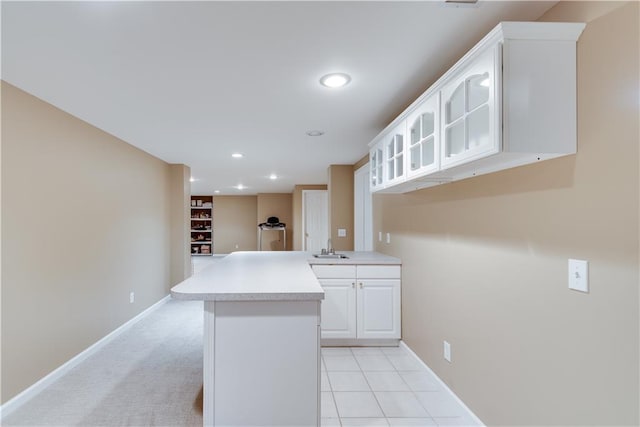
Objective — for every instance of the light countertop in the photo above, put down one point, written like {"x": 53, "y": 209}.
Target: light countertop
{"x": 253, "y": 276}
{"x": 266, "y": 276}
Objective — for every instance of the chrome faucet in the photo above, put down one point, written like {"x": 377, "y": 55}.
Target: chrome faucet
{"x": 330, "y": 249}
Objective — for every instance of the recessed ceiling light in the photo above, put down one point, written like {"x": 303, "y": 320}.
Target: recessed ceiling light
{"x": 192, "y": 179}
{"x": 334, "y": 80}
{"x": 315, "y": 133}
{"x": 237, "y": 155}
{"x": 216, "y": 191}
{"x": 273, "y": 176}
{"x": 240, "y": 187}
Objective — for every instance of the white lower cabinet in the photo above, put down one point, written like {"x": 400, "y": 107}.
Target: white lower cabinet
{"x": 378, "y": 308}
{"x": 338, "y": 309}
{"x": 361, "y": 302}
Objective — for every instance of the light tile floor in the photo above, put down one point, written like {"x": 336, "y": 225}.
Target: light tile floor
{"x": 384, "y": 386}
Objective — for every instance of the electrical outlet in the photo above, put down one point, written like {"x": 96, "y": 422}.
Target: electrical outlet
{"x": 342, "y": 232}
{"x": 237, "y": 246}
{"x": 447, "y": 351}
{"x": 132, "y": 297}
{"x": 388, "y": 237}
{"x": 379, "y": 236}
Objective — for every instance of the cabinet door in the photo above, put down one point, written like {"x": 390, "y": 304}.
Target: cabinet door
{"x": 338, "y": 309}
{"x": 394, "y": 145}
{"x": 423, "y": 134}
{"x": 470, "y": 111}
{"x": 378, "y": 308}
{"x": 376, "y": 162}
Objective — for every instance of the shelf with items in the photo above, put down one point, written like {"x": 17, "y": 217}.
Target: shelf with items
{"x": 201, "y": 225}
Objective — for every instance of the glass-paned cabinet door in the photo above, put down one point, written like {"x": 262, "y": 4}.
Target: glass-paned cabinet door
{"x": 423, "y": 131}
{"x": 376, "y": 167}
{"x": 394, "y": 154}
{"x": 470, "y": 108}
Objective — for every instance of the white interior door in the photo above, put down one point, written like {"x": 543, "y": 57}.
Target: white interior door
{"x": 315, "y": 222}
{"x": 363, "y": 233}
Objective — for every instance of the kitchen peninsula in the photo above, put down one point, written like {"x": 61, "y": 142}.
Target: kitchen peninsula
{"x": 262, "y": 332}
{"x": 261, "y": 339}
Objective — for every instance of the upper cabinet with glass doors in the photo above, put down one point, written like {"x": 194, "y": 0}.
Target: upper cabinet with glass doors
{"x": 423, "y": 133}
{"x": 376, "y": 168}
{"x": 394, "y": 154}
{"x": 510, "y": 101}
{"x": 470, "y": 111}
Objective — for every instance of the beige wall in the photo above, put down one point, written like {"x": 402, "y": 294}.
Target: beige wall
{"x": 341, "y": 205}
{"x": 485, "y": 259}
{"x": 86, "y": 219}
{"x": 297, "y": 220}
{"x": 180, "y": 223}
{"x": 234, "y": 224}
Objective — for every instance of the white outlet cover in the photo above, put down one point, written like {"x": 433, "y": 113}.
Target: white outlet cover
{"x": 379, "y": 236}
{"x": 447, "y": 351}
{"x": 578, "y": 275}
{"x": 388, "y": 237}
{"x": 342, "y": 232}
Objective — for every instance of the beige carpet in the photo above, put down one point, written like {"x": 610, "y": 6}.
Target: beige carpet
{"x": 151, "y": 375}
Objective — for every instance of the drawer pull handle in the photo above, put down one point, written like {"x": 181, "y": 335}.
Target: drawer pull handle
{"x": 361, "y": 285}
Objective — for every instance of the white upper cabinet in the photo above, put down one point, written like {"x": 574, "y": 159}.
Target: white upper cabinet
{"x": 510, "y": 101}
{"x": 394, "y": 144}
{"x": 423, "y": 134}
{"x": 470, "y": 125}
{"x": 376, "y": 167}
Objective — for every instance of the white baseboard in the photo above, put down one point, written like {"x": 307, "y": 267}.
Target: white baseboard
{"x": 18, "y": 400}
{"x": 476, "y": 420}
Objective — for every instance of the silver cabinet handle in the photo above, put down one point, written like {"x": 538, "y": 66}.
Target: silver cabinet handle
{"x": 361, "y": 285}
{"x": 353, "y": 285}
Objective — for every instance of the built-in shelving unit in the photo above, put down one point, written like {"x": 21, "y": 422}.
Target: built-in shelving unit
{"x": 201, "y": 225}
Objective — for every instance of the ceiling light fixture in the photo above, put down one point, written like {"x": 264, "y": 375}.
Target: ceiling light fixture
{"x": 216, "y": 191}
{"x": 240, "y": 187}
{"x": 192, "y": 179}
{"x": 315, "y": 133}
{"x": 335, "y": 80}
{"x": 273, "y": 176}
{"x": 237, "y": 155}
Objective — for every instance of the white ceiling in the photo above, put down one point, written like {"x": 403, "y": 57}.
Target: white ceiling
{"x": 193, "y": 82}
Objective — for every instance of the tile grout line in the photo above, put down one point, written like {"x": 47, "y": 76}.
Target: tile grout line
{"x": 410, "y": 389}
{"x": 370, "y": 388}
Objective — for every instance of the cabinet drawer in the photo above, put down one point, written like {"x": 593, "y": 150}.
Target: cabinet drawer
{"x": 378, "y": 271}
{"x": 334, "y": 271}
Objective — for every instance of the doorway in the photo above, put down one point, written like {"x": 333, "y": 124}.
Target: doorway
{"x": 315, "y": 220}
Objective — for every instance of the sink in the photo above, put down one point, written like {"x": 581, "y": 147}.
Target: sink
{"x": 333, "y": 256}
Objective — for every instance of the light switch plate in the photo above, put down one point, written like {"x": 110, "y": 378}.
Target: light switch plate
{"x": 447, "y": 351}
{"x": 579, "y": 275}
{"x": 342, "y": 232}
{"x": 379, "y": 236}
{"x": 388, "y": 237}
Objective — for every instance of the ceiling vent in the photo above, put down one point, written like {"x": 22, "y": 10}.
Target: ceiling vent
{"x": 460, "y": 3}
